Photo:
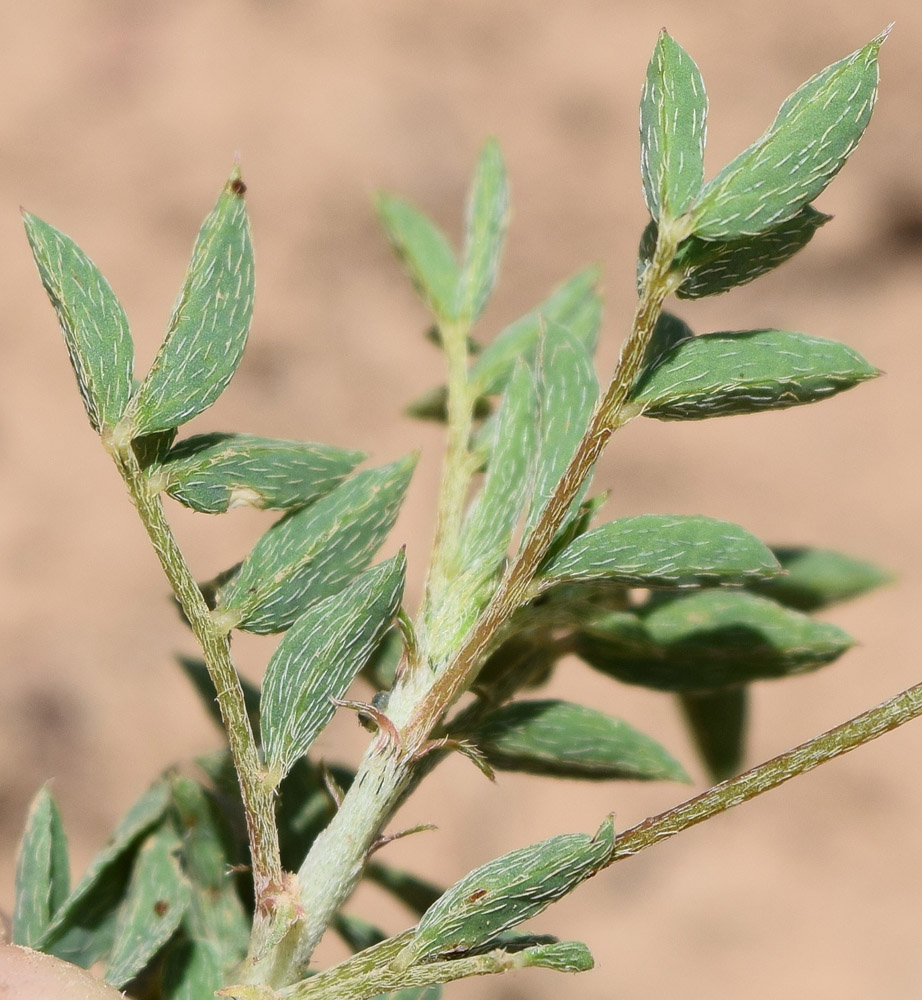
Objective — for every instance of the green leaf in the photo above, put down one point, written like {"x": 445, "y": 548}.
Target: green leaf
{"x": 711, "y": 267}
{"x": 517, "y": 663}
{"x": 816, "y": 578}
{"x": 717, "y": 722}
{"x": 815, "y": 130}
{"x": 577, "y": 524}
{"x": 721, "y": 374}
{"x": 575, "y": 305}
{"x": 663, "y": 550}
{"x": 92, "y": 320}
{"x": 212, "y": 472}
{"x": 197, "y": 672}
{"x": 216, "y": 921}
{"x": 42, "y": 870}
{"x": 151, "y": 449}
{"x": 314, "y": 552}
{"x": 358, "y": 934}
{"x": 668, "y": 332}
{"x": 431, "y": 405}
{"x": 424, "y": 253}
{"x": 152, "y": 909}
{"x": 561, "y": 956}
{"x": 564, "y": 740}
{"x": 411, "y": 890}
{"x": 707, "y": 640}
{"x": 206, "y": 840}
{"x": 506, "y": 891}
{"x": 567, "y": 392}
{"x": 191, "y": 971}
{"x": 319, "y": 658}
{"x": 496, "y": 510}
{"x": 485, "y": 231}
{"x": 210, "y": 322}
{"x": 82, "y": 929}
{"x": 381, "y": 668}
{"x": 673, "y": 125}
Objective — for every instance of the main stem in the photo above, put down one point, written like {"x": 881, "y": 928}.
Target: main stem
{"x": 257, "y": 799}
{"x": 337, "y": 858}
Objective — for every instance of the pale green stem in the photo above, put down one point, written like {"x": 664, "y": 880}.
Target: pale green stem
{"x": 257, "y": 797}
{"x": 372, "y": 972}
{"x": 457, "y": 471}
{"x": 337, "y": 858}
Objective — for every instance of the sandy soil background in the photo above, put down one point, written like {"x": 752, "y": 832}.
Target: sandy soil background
{"x": 118, "y": 123}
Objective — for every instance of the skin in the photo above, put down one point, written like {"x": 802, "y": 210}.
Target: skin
{"x": 30, "y": 975}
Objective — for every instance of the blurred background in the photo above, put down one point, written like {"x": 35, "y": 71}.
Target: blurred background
{"x": 119, "y": 123}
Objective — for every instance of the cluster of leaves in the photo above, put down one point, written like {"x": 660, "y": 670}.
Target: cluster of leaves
{"x": 682, "y": 604}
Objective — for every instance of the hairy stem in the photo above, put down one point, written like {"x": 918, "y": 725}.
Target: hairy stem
{"x": 895, "y": 712}
{"x": 371, "y": 972}
{"x": 257, "y": 799}
{"x": 456, "y": 476}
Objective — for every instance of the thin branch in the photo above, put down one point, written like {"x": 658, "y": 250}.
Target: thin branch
{"x": 257, "y": 799}
{"x": 863, "y": 728}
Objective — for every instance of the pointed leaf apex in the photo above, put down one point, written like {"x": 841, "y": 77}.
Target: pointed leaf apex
{"x": 606, "y": 830}
{"x": 235, "y": 184}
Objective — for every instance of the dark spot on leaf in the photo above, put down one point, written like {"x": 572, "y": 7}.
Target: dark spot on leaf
{"x": 477, "y": 894}
{"x": 238, "y": 187}
{"x": 160, "y": 907}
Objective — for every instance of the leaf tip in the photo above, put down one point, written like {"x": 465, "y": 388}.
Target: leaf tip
{"x": 235, "y": 184}
{"x": 680, "y": 775}
{"x": 491, "y": 145}
{"x": 30, "y": 221}
{"x": 606, "y": 832}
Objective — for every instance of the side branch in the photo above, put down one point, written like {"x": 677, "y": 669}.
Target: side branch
{"x": 257, "y": 801}
{"x": 895, "y": 712}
